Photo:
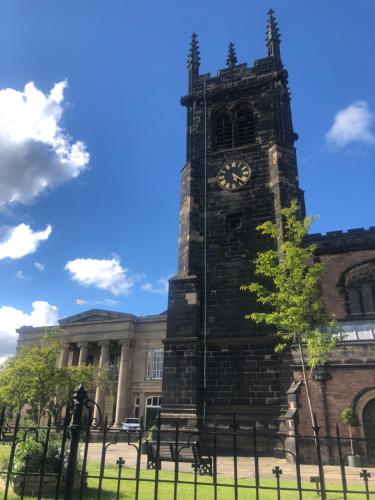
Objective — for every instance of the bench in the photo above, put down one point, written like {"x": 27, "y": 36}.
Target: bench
{"x": 187, "y": 453}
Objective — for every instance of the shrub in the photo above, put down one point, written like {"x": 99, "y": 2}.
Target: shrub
{"x": 30, "y": 453}
{"x": 349, "y": 417}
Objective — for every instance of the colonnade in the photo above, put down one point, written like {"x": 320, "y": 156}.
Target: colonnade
{"x": 103, "y": 362}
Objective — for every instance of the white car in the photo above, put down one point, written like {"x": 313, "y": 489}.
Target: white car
{"x": 131, "y": 424}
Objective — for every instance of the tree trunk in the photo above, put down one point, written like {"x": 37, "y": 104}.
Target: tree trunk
{"x": 306, "y": 382}
{"x": 351, "y": 439}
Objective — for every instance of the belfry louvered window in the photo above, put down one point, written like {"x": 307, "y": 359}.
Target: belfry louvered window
{"x": 360, "y": 288}
{"x": 222, "y": 130}
{"x": 245, "y": 126}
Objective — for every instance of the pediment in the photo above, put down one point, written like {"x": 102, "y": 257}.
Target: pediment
{"x": 94, "y": 315}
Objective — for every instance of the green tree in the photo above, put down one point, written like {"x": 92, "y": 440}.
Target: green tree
{"x": 349, "y": 417}
{"x": 290, "y": 290}
{"x": 33, "y": 377}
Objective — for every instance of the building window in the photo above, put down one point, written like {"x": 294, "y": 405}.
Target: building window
{"x": 113, "y": 364}
{"x": 153, "y": 402}
{"x": 244, "y": 126}
{"x": 155, "y": 364}
{"x": 360, "y": 289}
{"x": 222, "y": 130}
{"x": 114, "y": 360}
{"x": 90, "y": 360}
{"x": 356, "y": 330}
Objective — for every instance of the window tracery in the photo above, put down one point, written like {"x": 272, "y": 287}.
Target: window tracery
{"x": 245, "y": 125}
{"x": 360, "y": 289}
{"x": 222, "y": 130}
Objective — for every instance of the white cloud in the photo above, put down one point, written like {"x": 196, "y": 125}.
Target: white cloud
{"x": 101, "y": 273}
{"x": 102, "y": 302}
{"x": 21, "y": 240}
{"x": 35, "y": 152}
{"x": 352, "y": 124}
{"x": 41, "y": 267}
{"x": 42, "y": 314}
{"x": 20, "y": 275}
{"x": 107, "y": 302}
{"x": 161, "y": 287}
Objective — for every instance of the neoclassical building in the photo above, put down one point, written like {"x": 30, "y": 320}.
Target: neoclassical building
{"x": 129, "y": 345}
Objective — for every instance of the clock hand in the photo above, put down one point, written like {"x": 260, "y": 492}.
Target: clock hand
{"x": 235, "y": 177}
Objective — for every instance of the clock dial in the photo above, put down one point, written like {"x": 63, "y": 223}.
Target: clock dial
{"x": 233, "y": 175}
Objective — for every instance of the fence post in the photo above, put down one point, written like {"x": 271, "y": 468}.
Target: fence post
{"x": 79, "y": 397}
{"x": 2, "y": 422}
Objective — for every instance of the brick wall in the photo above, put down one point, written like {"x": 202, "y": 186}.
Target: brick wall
{"x": 351, "y": 368}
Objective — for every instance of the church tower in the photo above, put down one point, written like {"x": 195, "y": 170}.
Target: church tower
{"x": 240, "y": 171}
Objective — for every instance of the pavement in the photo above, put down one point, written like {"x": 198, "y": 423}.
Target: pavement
{"x": 245, "y": 466}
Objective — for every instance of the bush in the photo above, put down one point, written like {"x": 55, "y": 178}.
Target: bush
{"x": 349, "y": 417}
{"x": 30, "y": 453}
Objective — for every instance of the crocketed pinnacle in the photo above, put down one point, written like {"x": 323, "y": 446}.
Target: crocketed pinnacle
{"x": 231, "y": 58}
{"x": 273, "y": 36}
{"x": 194, "y": 57}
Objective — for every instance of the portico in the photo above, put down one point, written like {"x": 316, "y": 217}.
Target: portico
{"x": 129, "y": 346}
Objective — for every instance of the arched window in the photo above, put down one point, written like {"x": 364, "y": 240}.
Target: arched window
{"x": 360, "y": 289}
{"x": 222, "y": 130}
{"x": 245, "y": 126}
{"x": 153, "y": 404}
{"x": 368, "y": 420}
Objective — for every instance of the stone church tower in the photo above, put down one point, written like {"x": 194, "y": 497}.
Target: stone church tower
{"x": 240, "y": 171}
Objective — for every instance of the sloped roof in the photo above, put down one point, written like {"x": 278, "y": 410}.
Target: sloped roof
{"x": 95, "y": 315}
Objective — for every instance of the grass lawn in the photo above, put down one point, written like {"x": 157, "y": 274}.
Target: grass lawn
{"x": 185, "y": 491}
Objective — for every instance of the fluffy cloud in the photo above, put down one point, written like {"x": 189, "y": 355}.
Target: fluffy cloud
{"x": 42, "y": 314}
{"x": 35, "y": 152}
{"x": 161, "y": 287}
{"x": 352, "y": 124}
{"x": 21, "y": 240}
{"x": 104, "y": 274}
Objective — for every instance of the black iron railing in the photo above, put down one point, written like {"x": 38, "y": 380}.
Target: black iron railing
{"x": 95, "y": 461}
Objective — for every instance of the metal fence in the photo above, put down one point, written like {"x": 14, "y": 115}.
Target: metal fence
{"x": 74, "y": 456}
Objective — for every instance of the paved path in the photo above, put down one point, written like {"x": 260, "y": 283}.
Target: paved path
{"x": 245, "y": 466}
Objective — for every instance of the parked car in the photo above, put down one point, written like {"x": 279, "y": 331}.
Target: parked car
{"x": 131, "y": 424}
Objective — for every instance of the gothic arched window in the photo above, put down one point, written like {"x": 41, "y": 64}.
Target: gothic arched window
{"x": 222, "y": 130}
{"x": 360, "y": 289}
{"x": 245, "y": 125}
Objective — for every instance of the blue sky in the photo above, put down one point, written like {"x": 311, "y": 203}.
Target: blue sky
{"x": 89, "y": 174}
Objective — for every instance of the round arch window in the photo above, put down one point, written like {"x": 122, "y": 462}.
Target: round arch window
{"x": 153, "y": 404}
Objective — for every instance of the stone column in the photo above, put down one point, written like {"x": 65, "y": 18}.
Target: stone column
{"x": 83, "y": 350}
{"x": 121, "y": 385}
{"x": 100, "y": 395}
{"x": 64, "y": 356}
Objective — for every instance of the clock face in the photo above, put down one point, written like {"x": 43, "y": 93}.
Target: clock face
{"x": 233, "y": 175}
